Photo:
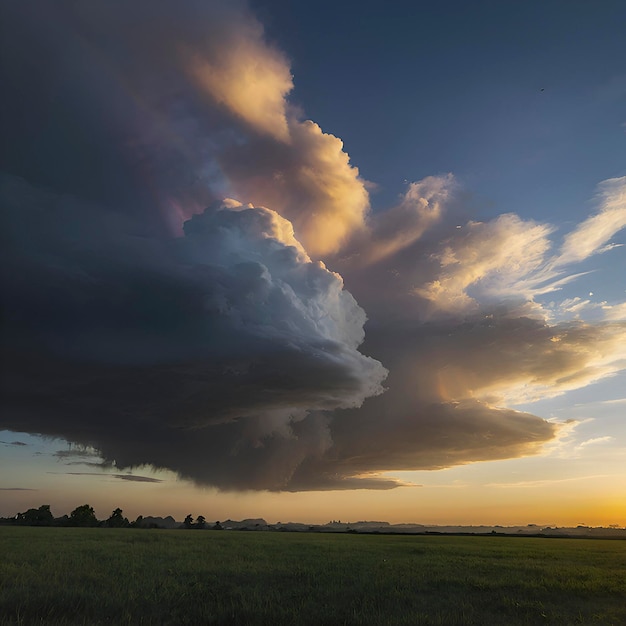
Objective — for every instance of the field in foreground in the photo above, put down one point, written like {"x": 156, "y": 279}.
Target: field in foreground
{"x": 110, "y": 576}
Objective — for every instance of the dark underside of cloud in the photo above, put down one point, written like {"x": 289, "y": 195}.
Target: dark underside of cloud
{"x": 150, "y": 319}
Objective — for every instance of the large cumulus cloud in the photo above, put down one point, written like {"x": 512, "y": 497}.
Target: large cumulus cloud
{"x": 214, "y": 341}
{"x": 229, "y": 320}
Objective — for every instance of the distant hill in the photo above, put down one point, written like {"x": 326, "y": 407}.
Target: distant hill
{"x": 160, "y": 522}
{"x": 251, "y": 524}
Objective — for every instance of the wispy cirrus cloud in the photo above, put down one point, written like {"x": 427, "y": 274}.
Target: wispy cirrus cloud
{"x": 592, "y": 236}
{"x": 549, "y": 481}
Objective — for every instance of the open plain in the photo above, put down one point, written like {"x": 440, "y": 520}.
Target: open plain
{"x": 63, "y": 576}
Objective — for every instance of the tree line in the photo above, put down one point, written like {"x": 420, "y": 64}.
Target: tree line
{"x": 84, "y": 516}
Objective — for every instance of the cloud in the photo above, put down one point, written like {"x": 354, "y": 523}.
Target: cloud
{"x": 416, "y": 252}
{"x": 309, "y": 180}
{"x": 230, "y": 357}
{"x": 237, "y": 294}
{"x": 614, "y": 311}
{"x": 593, "y": 234}
{"x": 16, "y": 489}
{"x": 575, "y": 306}
{"x": 249, "y": 78}
{"x": 155, "y": 322}
{"x": 550, "y": 481}
{"x": 456, "y": 318}
{"x": 389, "y": 232}
{"x": 129, "y": 477}
{"x": 76, "y": 452}
{"x": 448, "y": 390}
{"x": 417, "y": 435}
{"x": 522, "y": 359}
{"x": 594, "y": 441}
{"x": 138, "y": 479}
{"x": 101, "y": 464}
{"x": 617, "y": 401}
{"x": 181, "y": 105}
{"x": 497, "y": 259}
{"x": 231, "y": 325}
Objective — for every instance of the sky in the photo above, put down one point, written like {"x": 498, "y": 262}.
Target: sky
{"x": 309, "y": 262}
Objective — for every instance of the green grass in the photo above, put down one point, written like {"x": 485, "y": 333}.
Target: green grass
{"x": 109, "y": 576}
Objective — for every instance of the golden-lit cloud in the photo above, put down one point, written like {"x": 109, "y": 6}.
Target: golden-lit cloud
{"x": 279, "y": 160}
{"x": 522, "y": 360}
{"x": 614, "y": 311}
{"x": 501, "y": 258}
{"x": 389, "y": 232}
{"x": 462, "y": 269}
{"x": 199, "y": 101}
{"x": 247, "y": 76}
{"x": 309, "y": 180}
{"x": 593, "y": 234}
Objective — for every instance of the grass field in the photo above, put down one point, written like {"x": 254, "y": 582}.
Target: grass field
{"x": 110, "y": 576}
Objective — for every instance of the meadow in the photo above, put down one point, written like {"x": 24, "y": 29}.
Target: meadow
{"x": 124, "y": 576}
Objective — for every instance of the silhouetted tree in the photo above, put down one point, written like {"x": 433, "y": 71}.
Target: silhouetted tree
{"x": 117, "y": 520}
{"x": 201, "y": 522}
{"x": 138, "y": 523}
{"x": 83, "y": 516}
{"x": 36, "y": 517}
{"x": 217, "y": 526}
{"x": 188, "y": 523}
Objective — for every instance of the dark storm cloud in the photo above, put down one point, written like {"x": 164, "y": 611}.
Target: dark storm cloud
{"x": 220, "y": 355}
{"x": 93, "y": 93}
{"x": 233, "y": 305}
{"x": 114, "y": 337}
{"x": 227, "y": 355}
